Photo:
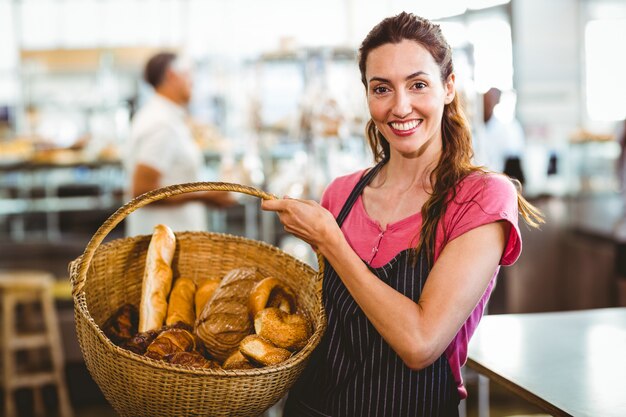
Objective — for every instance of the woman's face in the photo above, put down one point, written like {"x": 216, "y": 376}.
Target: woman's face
{"x": 406, "y": 96}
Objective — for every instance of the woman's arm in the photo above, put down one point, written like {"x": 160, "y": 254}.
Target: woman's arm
{"x": 418, "y": 332}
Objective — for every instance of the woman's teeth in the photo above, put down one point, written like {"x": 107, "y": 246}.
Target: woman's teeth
{"x": 405, "y": 125}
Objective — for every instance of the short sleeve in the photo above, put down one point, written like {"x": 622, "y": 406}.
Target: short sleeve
{"x": 154, "y": 148}
{"x": 337, "y": 192}
{"x": 482, "y": 199}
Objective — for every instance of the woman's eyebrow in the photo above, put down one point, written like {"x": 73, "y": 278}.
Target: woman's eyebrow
{"x": 416, "y": 74}
{"x": 408, "y": 77}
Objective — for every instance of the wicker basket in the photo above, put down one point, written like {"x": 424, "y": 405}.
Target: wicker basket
{"x": 106, "y": 276}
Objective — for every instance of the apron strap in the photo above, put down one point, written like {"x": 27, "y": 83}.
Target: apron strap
{"x": 357, "y": 190}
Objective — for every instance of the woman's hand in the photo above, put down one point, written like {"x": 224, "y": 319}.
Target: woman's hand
{"x": 307, "y": 220}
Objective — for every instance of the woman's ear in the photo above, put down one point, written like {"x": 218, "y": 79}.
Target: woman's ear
{"x": 450, "y": 89}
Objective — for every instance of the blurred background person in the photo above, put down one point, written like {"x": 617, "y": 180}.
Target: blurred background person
{"x": 161, "y": 151}
{"x": 500, "y": 144}
{"x": 619, "y": 231}
{"x": 620, "y": 135}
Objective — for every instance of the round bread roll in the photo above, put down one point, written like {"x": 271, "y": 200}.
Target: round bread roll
{"x": 237, "y": 361}
{"x": 262, "y": 352}
{"x": 271, "y": 292}
{"x": 287, "y": 331}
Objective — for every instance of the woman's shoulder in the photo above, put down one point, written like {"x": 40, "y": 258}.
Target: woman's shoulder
{"x": 347, "y": 181}
{"x": 336, "y": 193}
{"x": 487, "y": 185}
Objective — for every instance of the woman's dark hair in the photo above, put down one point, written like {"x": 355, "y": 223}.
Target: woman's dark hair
{"x": 455, "y": 161}
{"x": 155, "y": 69}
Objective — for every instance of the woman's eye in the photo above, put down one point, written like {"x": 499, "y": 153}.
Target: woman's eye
{"x": 419, "y": 85}
{"x": 380, "y": 89}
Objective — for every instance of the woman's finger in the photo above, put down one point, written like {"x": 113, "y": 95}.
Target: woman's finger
{"x": 272, "y": 205}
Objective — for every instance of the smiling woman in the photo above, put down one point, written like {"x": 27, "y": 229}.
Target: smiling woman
{"x": 406, "y": 97}
{"x": 412, "y": 246}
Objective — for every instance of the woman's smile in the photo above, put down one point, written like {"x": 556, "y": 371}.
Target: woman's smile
{"x": 405, "y": 128}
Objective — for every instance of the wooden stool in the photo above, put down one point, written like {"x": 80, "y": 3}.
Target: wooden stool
{"x": 27, "y": 288}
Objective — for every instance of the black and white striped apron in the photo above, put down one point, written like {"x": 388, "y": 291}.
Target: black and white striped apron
{"x": 354, "y": 372}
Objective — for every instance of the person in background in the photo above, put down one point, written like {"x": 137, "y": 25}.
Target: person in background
{"x": 161, "y": 151}
{"x": 411, "y": 245}
{"x": 499, "y": 145}
{"x": 619, "y": 228}
{"x": 620, "y": 135}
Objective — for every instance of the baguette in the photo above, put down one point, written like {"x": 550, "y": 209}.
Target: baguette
{"x": 180, "y": 307}
{"x": 157, "y": 279}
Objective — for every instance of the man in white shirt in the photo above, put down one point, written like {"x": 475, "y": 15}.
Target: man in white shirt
{"x": 499, "y": 145}
{"x": 161, "y": 151}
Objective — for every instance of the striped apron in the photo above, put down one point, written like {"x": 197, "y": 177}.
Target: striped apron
{"x": 354, "y": 372}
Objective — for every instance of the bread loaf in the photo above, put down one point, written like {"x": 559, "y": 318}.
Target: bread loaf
{"x": 262, "y": 352}
{"x": 204, "y": 293}
{"x": 225, "y": 320}
{"x": 181, "y": 306}
{"x": 157, "y": 279}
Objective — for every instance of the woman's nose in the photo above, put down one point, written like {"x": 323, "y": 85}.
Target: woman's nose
{"x": 402, "y": 104}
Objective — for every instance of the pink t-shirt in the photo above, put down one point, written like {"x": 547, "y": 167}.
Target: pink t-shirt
{"x": 481, "y": 199}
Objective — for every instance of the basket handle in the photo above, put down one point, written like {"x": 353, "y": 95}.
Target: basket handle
{"x": 83, "y": 262}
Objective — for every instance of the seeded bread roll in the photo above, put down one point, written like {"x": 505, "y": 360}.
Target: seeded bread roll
{"x": 237, "y": 361}
{"x": 261, "y": 351}
{"x": 287, "y": 331}
{"x": 225, "y": 320}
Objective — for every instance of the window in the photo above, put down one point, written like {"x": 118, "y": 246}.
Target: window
{"x": 493, "y": 53}
{"x": 605, "y": 63}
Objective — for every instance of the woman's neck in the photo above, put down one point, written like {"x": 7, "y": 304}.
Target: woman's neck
{"x": 408, "y": 172}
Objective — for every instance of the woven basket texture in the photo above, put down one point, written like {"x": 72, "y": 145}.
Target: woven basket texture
{"x": 109, "y": 275}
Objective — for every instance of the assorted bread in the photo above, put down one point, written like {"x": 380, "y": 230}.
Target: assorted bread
{"x": 242, "y": 320}
{"x": 225, "y": 319}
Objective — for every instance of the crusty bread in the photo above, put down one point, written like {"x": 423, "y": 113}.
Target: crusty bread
{"x": 272, "y": 292}
{"x": 225, "y": 320}
{"x": 237, "y": 361}
{"x": 262, "y": 352}
{"x": 157, "y": 279}
{"x": 180, "y": 306}
{"x": 287, "y": 331}
{"x": 204, "y": 293}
